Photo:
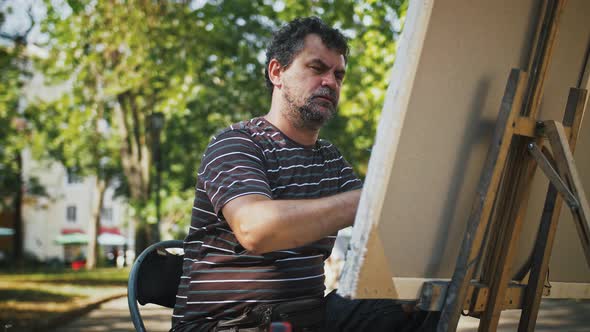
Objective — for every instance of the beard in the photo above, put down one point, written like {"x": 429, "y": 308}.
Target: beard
{"x": 313, "y": 112}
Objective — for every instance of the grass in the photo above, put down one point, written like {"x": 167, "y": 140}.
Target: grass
{"x": 35, "y": 300}
{"x": 104, "y": 276}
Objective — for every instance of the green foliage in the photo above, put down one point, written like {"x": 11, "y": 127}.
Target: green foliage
{"x": 201, "y": 65}
{"x": 10, "y": 141}
{"x": 16, "y": 130}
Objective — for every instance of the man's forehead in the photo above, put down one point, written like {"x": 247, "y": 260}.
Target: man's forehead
{"x": 314, "y": 49}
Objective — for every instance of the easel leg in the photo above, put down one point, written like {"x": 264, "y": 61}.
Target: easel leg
{"x": 543, "y": 247}
{"x": 567, "y": 169}
{"x": 513, "y": 207}
{"x": 544, "y": 244}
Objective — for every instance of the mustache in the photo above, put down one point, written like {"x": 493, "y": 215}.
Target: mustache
{"x": 325, "y": 92}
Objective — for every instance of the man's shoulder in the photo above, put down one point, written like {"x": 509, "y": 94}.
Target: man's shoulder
{"x": 248, "y": 128}
{"x": 257, "y": 130}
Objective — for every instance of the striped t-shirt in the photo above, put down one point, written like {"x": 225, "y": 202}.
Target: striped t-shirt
{"x": 220, "y": 277}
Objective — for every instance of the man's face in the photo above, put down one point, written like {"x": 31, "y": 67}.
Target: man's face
{"x": 311, "y": 83}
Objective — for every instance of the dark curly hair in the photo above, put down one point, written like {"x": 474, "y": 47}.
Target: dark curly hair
{"x": 287, "y": 42}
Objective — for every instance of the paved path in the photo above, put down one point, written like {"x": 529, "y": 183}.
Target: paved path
{"x": 555, "y": 315}
{"x": 114, "y": 316}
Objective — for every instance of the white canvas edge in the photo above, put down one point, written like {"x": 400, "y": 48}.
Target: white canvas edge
{"x": 410, "y": 289}
{"x": 569, "y": 290}
{"x": 386, "y": 141}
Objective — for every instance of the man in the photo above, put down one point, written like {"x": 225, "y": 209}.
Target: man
{"x": 270, "y": 199}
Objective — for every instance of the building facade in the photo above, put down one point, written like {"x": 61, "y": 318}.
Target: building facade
{"x": 56, "y": 226}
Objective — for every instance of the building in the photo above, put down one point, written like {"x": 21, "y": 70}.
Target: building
{"x": 56, "y": 227}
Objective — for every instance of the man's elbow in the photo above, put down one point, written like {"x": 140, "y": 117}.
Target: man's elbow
{"x": 248, "y": 217}
{"x": 252, "y": 239}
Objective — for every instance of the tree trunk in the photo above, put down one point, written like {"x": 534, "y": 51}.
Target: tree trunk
{"x": 94, "y": 227}
{"x": 18, "y": 206}
{"x": 136, "y": 162}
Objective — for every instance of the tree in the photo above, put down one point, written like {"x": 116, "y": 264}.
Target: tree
{"x": 16, "y": 130}
{"x": 153, "y": 63}
{"x": 201, "y": 65}
{"x": 80, "y": 139}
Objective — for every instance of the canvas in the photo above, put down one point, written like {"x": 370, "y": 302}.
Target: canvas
{"x": 446, "y": 86}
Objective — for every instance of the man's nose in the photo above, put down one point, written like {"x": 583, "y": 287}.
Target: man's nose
{"x": 329, "y": 80}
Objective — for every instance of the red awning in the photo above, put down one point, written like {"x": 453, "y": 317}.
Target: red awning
{"x": 103, "y": 230}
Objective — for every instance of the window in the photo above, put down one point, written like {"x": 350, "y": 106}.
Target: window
{"x": 73, "y": 177}
{"x": 106, "y": 214}
{"x": 71, "y": 213}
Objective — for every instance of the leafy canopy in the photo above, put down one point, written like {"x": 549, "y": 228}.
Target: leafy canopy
{"x": 200, "y": 63}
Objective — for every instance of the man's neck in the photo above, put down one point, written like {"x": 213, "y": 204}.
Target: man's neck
{"x": 279, "y": 119}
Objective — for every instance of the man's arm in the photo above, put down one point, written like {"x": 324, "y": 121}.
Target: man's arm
{"x": 263, "y": 225}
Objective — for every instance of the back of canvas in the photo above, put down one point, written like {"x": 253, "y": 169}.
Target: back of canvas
{"x": 441, "y": 133}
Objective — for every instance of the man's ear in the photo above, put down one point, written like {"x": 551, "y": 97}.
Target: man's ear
{"x": 275, "y": 70}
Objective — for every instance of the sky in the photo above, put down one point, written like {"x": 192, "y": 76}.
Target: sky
{"x": 17, "y": 20}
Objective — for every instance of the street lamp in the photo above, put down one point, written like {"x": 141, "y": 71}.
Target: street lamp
{"x": 156, "y": 124}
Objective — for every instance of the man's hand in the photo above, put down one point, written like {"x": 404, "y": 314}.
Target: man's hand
{"x": 263, "y": 225}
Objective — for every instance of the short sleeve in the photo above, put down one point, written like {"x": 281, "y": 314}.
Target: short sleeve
{"x": 233, "y": 166}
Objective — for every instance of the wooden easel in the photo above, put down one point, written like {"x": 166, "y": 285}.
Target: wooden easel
{"x": 481, "y": 283}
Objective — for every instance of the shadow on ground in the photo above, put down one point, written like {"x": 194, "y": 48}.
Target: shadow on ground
{"x": 114, "y": 316}
{"x": 555, "y": 315}
{"x": 30, "y": 295}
